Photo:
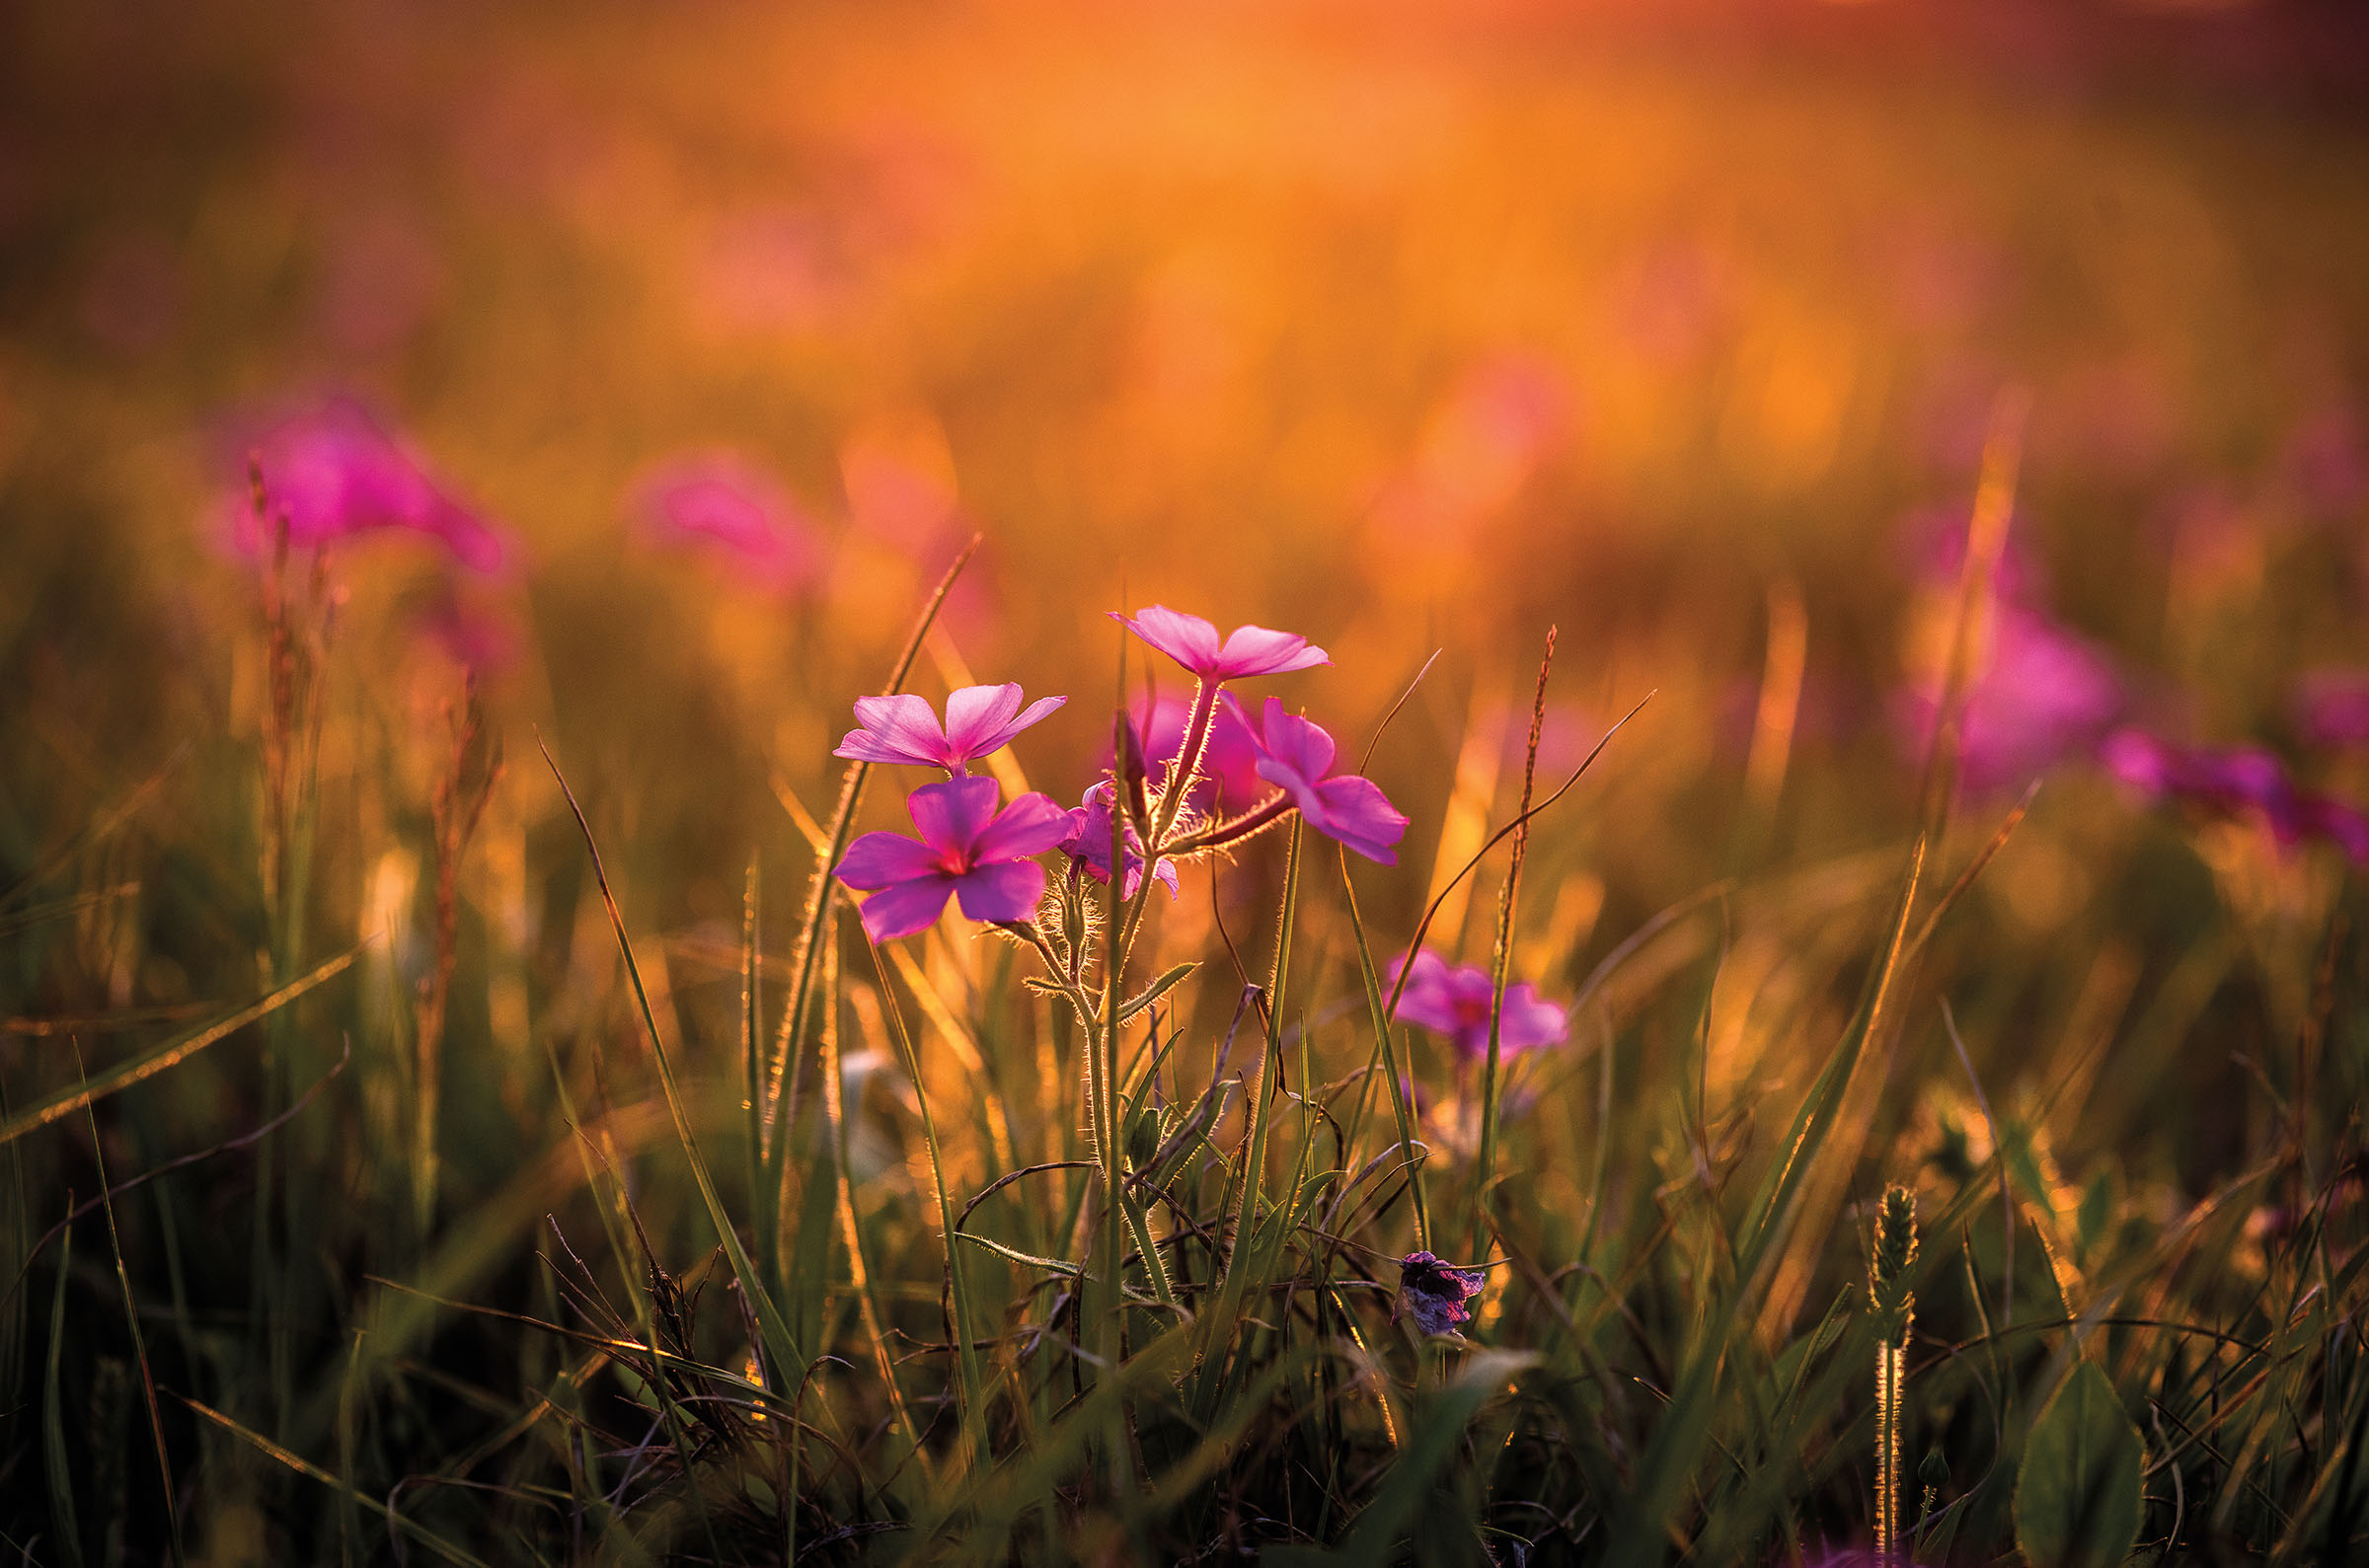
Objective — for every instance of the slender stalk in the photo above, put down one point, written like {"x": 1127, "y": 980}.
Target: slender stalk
{"x": 1486, "y": 1162}
{"x": 822, "y": 893}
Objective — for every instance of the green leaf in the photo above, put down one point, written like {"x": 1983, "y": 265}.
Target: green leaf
{"x": 2076, "y": 1495}
{"x": 1153, "y": 992}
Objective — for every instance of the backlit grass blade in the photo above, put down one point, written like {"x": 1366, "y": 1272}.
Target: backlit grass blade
{"x": 426, "y": 1537}
{"x": 167, "y": 1055}
{"x": 821, "y": 894}
{"x": 779, "y": 1349}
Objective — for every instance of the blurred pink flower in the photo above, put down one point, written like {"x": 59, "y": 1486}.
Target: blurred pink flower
{"x": 2244, "y": 781}
{"x": 1455, "y": 1000}
{"x": 2331, "y": 708}
{"x": 1248, "y": 651}
{"x": 2044, "y": 695}
{"x": 1488, "y": 438}
{"x": 720, "y": 498}
{"x": 967, "y": 851}
{"x": 331, "y": 473}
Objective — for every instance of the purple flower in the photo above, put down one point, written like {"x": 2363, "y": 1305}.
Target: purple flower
{"x": 980, "y": 720}
{"x": 2044, "y": 695}
{"x": 1248, "y": 651}
{"x": 1454, "y": 1002}
{"x": 2236, "y": 781}
{"x": 1228, "y": 778}
{"x": 1088, "y": 843}
{"x": 967, "y": 851}
{"x": 1434, "y": 1295}
{"x": 2331, "y": 708}
{"x": 332, "y": 471}
{"x": 717, "y": 498}
{"x": 1295, "y": 756}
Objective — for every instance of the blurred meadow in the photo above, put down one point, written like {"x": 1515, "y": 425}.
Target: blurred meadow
{"x": 1907, "y": 404}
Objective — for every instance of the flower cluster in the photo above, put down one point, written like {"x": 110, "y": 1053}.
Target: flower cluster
{"x": 1211, "y": 757}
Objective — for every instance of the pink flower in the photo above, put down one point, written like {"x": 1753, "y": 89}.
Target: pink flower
{"x": 1247, "y": 651}
{"x": 1228, "y": 778}
{"x": 1295, "y": 756}
{"x": 1455, "y": 1002}
{"x": 717, "y": 498}
{"x": 2236, "y": 781}
{"x": 333, "y": 473}
{"x": 967, "y": 851}
{"x": 1088, "y": 843}
{"x": 979, "y": 722}
{"x": 1434, "y": 1295}
{"x": 2044, "y": 695}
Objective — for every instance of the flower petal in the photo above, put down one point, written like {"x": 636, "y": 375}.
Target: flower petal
{"x": 1530, "y": 1020}
{"x": 1008, "y": 890}
{"x": 1296, "y": 742}
{"x": 1356, "y": 812}
{"x": 907, "y": 909}
{"x": 903, "y": 728}
{"x": 878, "y": 859}
{"x": 1256, "y": 651}
{"x": 1427, "y": 1002}
{"x": 1001, "y": 737}
{"x": 1188, "y": 638}
{"x": 953, "y": 813}
{"x": 976, "y": 712}
{"x": 1029, "y": 826}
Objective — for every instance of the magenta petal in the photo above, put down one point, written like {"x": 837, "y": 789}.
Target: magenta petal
{"x": 1295, "y": 742}
{"x": 954, "y": 814}
{"x": 1230, "y": 762}
{"x": 1002, "y": 737}
{"x": 1008, "y": 891}
{"x": 1029, "y": 826}
{"x": 1356, "y": 812}
{"x": 973, "y": 715}
{"x": 907, "y": 909}
{"x": 1256, "y": 650}
{"x": 1530, "y": 1021}
{"x": 903, "y": 728}
{"x": 1188, "y": 638}
{"x": 1427, "y": 1001}
{"x": 862, "y": 745}
{"x": 1289, "y": 780}
{"x": 472, "y": 544}
{"x": 878, "y": 859}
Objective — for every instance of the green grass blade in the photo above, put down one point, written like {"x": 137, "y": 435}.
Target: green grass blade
{"x": 426, "y": 1537}
{"x": 167, "y": 1055}
{"x": 779, "y": 1348}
